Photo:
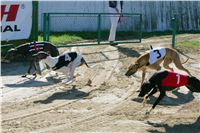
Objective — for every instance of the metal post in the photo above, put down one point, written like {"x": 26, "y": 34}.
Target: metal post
{"x": 44, "y": 26}
{"x": 174, "y": 21}
{"x": 36, "y": 20}
{"x": 140, "y": 34}
{"x": 48, "y": 26}
{"x": 99, "y": 28}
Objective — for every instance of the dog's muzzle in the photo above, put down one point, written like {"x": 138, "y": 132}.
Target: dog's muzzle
{"x": 128, "y": 74}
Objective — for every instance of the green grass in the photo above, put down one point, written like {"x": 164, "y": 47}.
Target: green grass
{"x": 164, "y": 33}
{"x": 63, "y": 38}
{"x": 189, "y": 43}
{"x": 72, "y": 37}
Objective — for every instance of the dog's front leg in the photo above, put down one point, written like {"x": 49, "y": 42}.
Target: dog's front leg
{"x": 69, "y": 75}
{"x": 143, "y": 75}
{"x": 29, "y": 69}
{"x": 35, "y": 67}
{"x": 72, "y": 69}
{"x": 150, "y": 94}
{"x": 162, "y": 94}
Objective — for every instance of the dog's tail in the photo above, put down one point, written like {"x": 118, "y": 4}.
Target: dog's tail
{"x": 193, "y": 84}
{"x": 188, "y": 57}
{"x": 185, "y": 61}
{"x": 83, "y": 61}
{"x": 151, "y": 47}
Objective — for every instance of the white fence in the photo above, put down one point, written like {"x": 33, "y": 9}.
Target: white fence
{"x": 156, "y": 14}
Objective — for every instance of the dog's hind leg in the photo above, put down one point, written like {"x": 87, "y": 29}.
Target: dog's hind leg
{"x": 162, "y": 94}
{"x": 166, "y": 63}
{"x": 68, "y": 74}
{"x": 178, "y": 64}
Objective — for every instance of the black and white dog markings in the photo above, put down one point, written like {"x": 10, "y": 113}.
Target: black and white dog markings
{"x": 66, "y": 63}
{"x": 28, "y": 50}
{"x": 64, "y": 60}
{"x": 167, "y": 81}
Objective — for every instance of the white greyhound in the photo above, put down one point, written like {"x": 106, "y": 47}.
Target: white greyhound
{"x": 65, "y": 63}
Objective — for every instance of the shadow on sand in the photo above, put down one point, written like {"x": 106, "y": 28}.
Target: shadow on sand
{"x": 129, "y": 52}
{"x": 14, "y": 68}
{"x": 180, "y": 128}
{"x": 31, "y": 82}
{"x": 181, "y": 99}
{"x": 71, "y": 94}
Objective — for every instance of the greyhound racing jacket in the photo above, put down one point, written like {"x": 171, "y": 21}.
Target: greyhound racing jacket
{"x": 156, "y": 54}
{"x": 64, "y": 60}
{"x": 35, "y": 47}
{"x": 169, "y": 79}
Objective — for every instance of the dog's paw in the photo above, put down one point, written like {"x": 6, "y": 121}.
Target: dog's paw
{"x": 34, "y": 74}
{"x": 67, "y": 81}
{"x": 145, "y": 101}
{"x": 148, "y": 111}
{"x": 23, "y": 76}
{"x": 89, "y": 83}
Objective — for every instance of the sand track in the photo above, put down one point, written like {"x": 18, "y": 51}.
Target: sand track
{"x": 110, "y": 104}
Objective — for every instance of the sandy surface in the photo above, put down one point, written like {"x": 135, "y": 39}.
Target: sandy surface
{"x": 110, "y": 104}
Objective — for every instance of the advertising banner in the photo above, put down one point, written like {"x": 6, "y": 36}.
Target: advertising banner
{"x": 16, "y": 20}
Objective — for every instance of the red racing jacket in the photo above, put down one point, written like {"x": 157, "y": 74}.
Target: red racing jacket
{"x": 169, "y": 79}
{"x": 174, "y": 80}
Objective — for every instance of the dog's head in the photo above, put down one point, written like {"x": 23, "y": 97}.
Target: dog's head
{"x": 11, "y": 54}
{"x": 132, "y": 69}
{"x": 145, "y": 89}
{"x": 41, "y": 55}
